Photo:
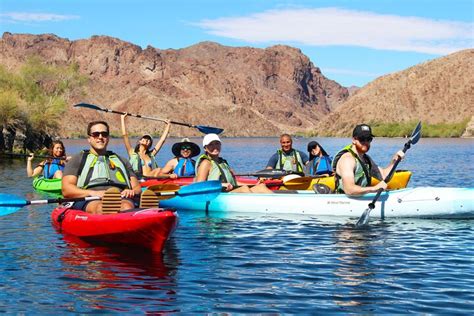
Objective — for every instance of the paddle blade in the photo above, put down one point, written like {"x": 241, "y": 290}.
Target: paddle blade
{"x": 89, "y": 106}
{"x": 416, "y": 135}
{"x": 164, "y": 187}
{"x": 209, "y": 129}
{"x": 201, "y": 191}
{"x": 272, "y": 173}
{"x": 10, "y": 203}
{"x": 364, "y": 218}
{"x": 301, "y": 183}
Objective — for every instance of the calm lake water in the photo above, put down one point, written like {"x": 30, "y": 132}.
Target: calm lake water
{"x": 252, "y": 264}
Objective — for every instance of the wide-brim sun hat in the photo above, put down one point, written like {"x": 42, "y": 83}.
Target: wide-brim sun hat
{"x": 176, "y": 149}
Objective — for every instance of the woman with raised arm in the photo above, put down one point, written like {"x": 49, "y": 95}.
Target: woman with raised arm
{"x": 142, "y": 158}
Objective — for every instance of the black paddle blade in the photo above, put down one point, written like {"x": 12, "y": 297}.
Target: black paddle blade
{"x": 272, "y": 173}
{"x": 209, "y": 129}
{"x": 89, "y": 106}
{"x": 416, "y": 135}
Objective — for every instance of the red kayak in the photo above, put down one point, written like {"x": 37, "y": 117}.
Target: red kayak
{"x": 145, "y": 228}
{"x": 273, "y": 184}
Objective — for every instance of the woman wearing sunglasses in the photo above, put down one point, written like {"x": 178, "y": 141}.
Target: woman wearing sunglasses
{"x": 354, "y": 168}
{"x": 182, "y": 165}
{"x": 142, "y": 157}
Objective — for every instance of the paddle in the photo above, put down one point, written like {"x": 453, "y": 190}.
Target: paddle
{"x": 200, "y": 191}
{"x": 201, "y": 128}
{"x": 265, "y": 173}
{"x": 10, "y": 203}
{"x": 28, "y": 155}
{"x": 415, "y": 136}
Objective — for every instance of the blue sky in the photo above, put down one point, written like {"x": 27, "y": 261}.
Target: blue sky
{"x": 353, "y": 42}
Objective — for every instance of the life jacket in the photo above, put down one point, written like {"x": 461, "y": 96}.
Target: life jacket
{"x": 364, "y": 169}
{"x": 290, "y": 161}
{"x": 220, "y": 170}
{"x": 320, "y": 165}
{"x": 185, "y": 167}
{"x": 137, "y": 163}
{"x": 107, "y": 170}
{"x": 50, "y": 167}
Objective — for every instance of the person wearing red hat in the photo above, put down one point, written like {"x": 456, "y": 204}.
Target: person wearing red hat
{"x": 354, "y": 169}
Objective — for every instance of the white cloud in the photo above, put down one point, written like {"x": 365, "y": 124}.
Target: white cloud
{"x": 340, "y": 27}
{"x": 16, "y": 17}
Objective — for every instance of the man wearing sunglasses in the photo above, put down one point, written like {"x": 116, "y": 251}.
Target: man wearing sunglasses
{"x": 93, "y": 172}
{"x": 354, "y": 169}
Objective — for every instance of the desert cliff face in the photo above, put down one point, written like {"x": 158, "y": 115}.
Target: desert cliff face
{"x": 246, "y": 91}
{"x": 438, "y": 91}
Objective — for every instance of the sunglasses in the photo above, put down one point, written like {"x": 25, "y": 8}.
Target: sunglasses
{"x": 104, "y": 134}
{"x": 365, "y": 139}
{"x": 186, "y": 148}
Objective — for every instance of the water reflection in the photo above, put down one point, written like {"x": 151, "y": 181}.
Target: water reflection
{"x": 355, "y": 271}
{"x": 110, "y": 278}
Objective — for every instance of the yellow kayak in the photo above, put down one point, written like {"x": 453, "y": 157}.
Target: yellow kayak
{"x": 399, "y": 180}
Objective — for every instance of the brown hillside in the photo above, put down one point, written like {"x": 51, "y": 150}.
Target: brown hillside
{"x": 438, "y": 91}
{"x": 246, "y": 91}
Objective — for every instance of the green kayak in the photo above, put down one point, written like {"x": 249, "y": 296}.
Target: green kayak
{"x": 47, "y": 185}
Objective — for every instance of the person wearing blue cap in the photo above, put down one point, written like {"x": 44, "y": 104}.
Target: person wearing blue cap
{"x": 354, "y": 168}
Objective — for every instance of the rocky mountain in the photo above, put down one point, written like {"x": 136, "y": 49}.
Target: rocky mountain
{"x": 247, "y": 91}
{"x": 437, "y": 91}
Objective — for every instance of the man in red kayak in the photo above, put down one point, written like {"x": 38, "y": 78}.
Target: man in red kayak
{"x": 102, "y": 173}
{"x": 354, "y": 169}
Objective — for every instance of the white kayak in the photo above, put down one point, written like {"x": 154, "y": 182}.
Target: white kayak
{"x": 422, "y": 202}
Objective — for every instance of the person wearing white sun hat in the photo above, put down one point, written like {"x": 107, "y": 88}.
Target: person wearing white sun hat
{"x": 210, "y": 166}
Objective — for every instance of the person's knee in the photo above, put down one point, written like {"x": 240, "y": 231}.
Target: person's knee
{"x": 126, "y": 205}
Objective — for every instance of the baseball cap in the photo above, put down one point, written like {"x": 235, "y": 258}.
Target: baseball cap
{"x": 362, "y": 131}
{"x": 209, "y": 138}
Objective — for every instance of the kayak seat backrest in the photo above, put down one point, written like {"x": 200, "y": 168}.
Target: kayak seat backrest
{"x": 320, "y": 188}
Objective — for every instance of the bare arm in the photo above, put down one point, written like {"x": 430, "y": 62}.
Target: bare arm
{"x": 126, "y": 141}
{"x": 203, "y": 170}
{"x": 29, "y": 169}
{"x": 169, "y": 167}
{"x": 162, "y": 140}
{"x": 345, "y": 169}
{"x": 385, "y": 171}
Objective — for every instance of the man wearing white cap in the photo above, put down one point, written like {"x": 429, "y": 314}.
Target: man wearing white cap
{"x": 210, "y": 166}
{"x": 355, "y": 169}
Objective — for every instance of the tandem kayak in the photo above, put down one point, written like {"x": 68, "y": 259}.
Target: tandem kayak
{"x": 47, "y": 185}
{"x": 422, "y": 202}
{"x": 144, "y": 228}
{"x": 272, "y": 183}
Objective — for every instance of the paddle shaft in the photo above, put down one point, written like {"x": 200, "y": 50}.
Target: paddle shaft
{"x": 36, "y": 156}
{"x": 389, "y": 176}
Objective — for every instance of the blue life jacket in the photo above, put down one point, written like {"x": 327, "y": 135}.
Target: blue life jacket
{"x": 185, "y": 167}
{"x": 320, "y": 165}
{"x": 51, "y": 166}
